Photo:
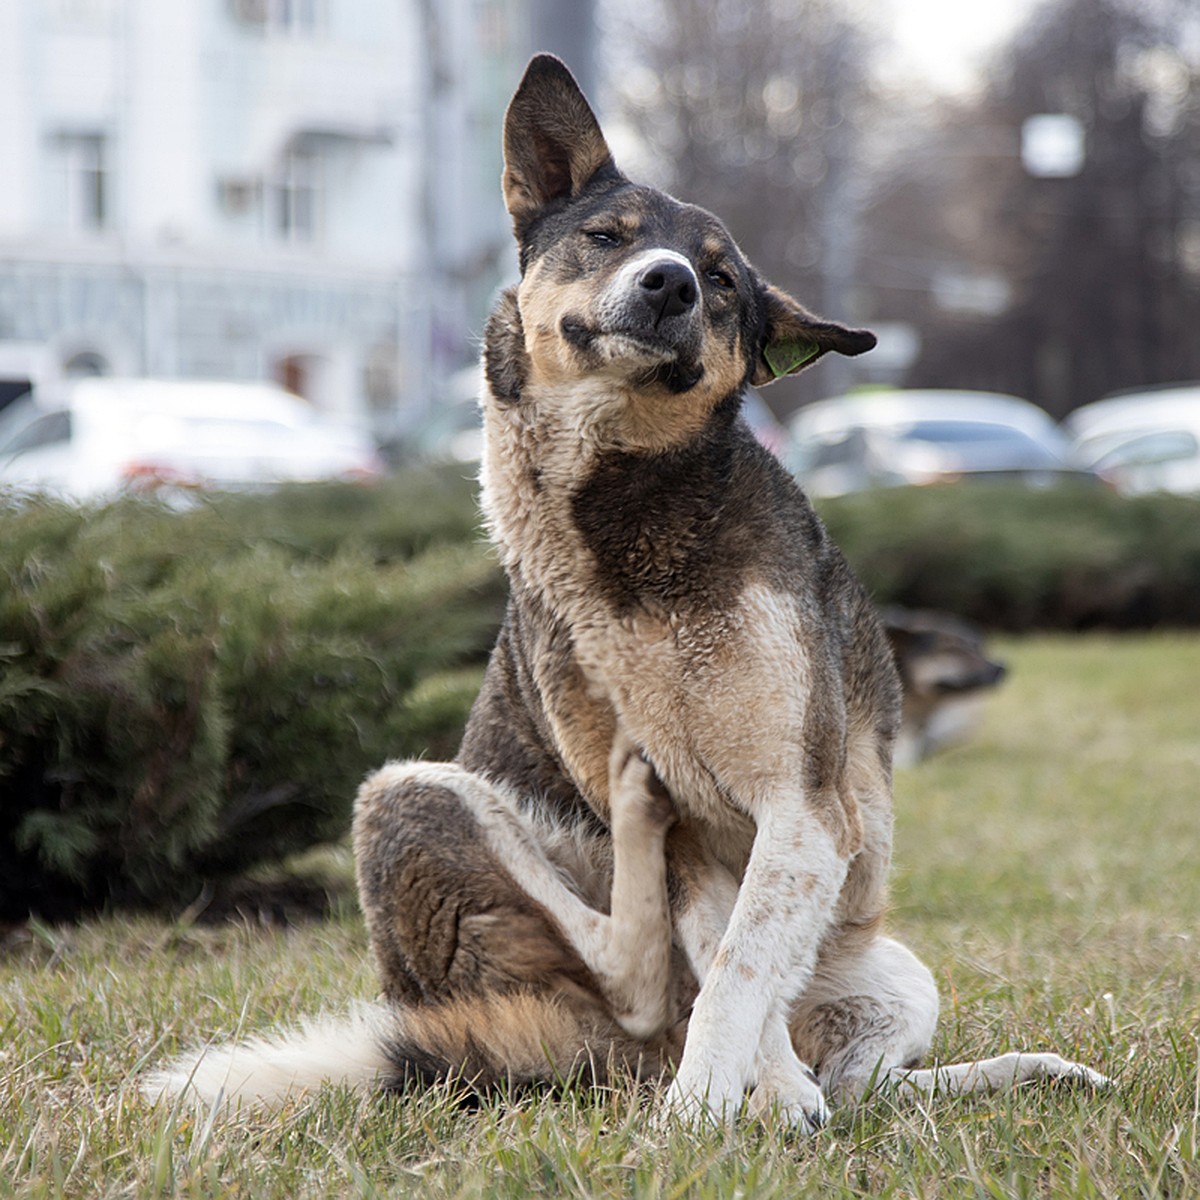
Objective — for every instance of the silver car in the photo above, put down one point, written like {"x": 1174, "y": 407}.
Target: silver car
{"x": 887, "y": 438}
{"x": 1141, "y": 441}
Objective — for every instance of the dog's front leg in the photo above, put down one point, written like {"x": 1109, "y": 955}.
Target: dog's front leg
{"x": 737, "y": 1035}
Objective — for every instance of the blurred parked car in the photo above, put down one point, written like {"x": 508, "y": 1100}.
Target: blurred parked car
{"x": 1141, "y": 441}
{"x": 91, "y": 437}
{"x": 916, "y": 437}
{"x": 449, "y": 431}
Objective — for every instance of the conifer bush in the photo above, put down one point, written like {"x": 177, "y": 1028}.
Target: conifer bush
{"x": 184, "y": 695}
{"x": 1016, "y": 558}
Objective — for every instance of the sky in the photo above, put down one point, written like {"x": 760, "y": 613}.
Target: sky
{"x": 945, "y": 42}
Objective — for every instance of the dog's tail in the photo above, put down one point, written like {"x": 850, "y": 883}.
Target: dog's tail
{"x": 483, "y": 1042}
{"x": 350, "y": 1049}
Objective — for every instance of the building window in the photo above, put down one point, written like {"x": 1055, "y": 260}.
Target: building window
{"x": 298, "y": 198}
{"x": 86, "y": 364}
{"x": 301, "y": 375}
{"x": 83, "y": 14}
{"x": 297, "y": 16}
{"x": 294, "y": 17}
{"x": 239, "y": 197}
{"x": 79, "y": 181}
{"x": 381, "y": 377}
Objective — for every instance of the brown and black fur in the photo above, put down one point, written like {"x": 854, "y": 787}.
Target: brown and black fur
{"x": 665, "y": 842}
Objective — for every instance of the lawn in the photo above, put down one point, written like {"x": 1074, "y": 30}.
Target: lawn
{"x": 1046, "y": 871}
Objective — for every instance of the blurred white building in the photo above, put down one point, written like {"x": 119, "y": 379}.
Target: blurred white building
{"x": 303, "y": 190}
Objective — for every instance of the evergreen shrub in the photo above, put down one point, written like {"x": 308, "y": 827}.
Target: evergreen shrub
{"x": 1015, "y": 558}
{"x": 186, "y": 694}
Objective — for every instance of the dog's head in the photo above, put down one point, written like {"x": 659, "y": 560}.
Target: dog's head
{"x": 626, "y": 286}
{"x": 939, "y": 655}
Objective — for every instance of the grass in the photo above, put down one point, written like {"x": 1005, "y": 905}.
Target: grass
{"x": 1047, "y": 872}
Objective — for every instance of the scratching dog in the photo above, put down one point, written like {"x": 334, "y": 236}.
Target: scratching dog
{"x": 665, "y": 843}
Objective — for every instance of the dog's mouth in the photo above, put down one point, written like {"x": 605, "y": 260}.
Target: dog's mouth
{"x": 617, "y": 343}
{"x": 654, "y": 360}
{"x": 676, "y": 377}
{"x": 986, "y": 677}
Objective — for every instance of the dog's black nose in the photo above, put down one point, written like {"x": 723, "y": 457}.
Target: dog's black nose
{"x": 669, "y": 287}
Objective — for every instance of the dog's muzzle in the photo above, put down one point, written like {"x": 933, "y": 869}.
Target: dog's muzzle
{"x": 649, "y": 318}
{"x": 654, "y": 299}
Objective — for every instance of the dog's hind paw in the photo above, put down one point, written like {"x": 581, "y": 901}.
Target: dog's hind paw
{"x": 1017, "y": 1068}
{"x": 635, "y": 791}
{"x": 1052, "y": 1066}
{"x": 996, "y": 1074}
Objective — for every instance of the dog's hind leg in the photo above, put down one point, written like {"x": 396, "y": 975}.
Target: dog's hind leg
{"x": 867, "y": 1022}
{"x": 446, "y": 910}
{"x": 493, "y": 967}
{"x": 624, "y": 954}
{"x": 872, "y": 1007}
{"x": 992, "y": 1075}
{"x": 635, "y": 965}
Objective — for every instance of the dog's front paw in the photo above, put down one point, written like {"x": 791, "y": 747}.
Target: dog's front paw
{"x": 796, "y": 1102}
{"x": 702, "y": 1098}
{"x": 792, "y": 1098}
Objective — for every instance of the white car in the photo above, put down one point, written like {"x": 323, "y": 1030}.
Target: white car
{"x": 94, "y": 437}
{"x": 1141, "y": 441}
{"x": 884, "y": 438}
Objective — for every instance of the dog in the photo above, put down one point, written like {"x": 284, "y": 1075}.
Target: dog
{"x": 945, "y": 674}
{"x": 664, "y": 846}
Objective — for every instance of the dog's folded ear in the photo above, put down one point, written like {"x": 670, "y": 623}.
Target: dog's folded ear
{"x": 793, "y": 338}
{"x": 553, "y": 146}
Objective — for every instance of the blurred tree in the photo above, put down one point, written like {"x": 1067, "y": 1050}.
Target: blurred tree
{"x": 754, "y": 112}
{"x": 1061, "y": 289}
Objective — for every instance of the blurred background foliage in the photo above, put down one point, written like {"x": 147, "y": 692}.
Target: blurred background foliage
{"x": 186, "y": 694}
{"x": 1014, "y": 558}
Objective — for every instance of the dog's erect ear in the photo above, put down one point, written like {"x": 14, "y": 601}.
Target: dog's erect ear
{"x": 552, "y": 141}
{"x": 793, "y": 338}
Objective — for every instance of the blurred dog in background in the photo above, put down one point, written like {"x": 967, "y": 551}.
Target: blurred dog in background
{"x": 946, "y": 675}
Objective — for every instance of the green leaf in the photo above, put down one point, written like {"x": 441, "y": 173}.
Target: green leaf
{"x": 784, "y": 355}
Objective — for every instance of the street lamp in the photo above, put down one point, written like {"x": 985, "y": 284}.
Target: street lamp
{"x": 1053, "y": 146}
